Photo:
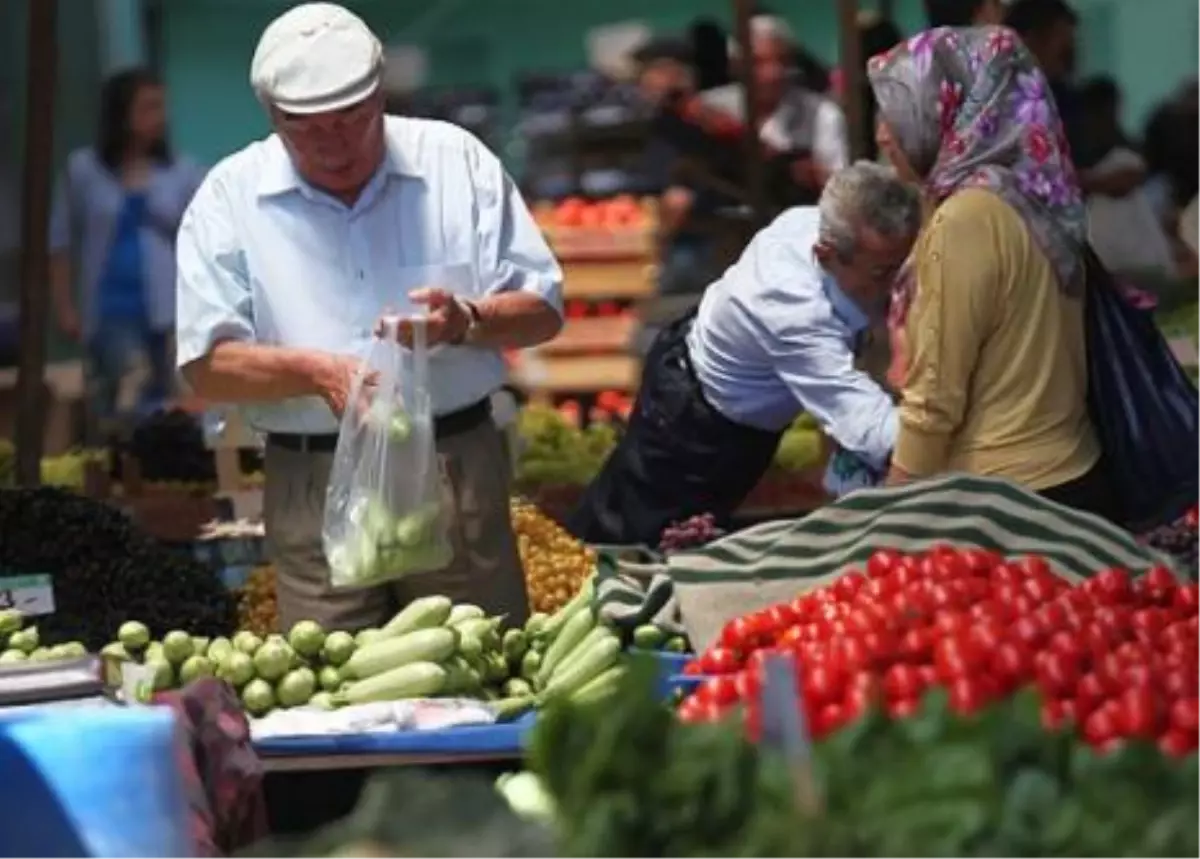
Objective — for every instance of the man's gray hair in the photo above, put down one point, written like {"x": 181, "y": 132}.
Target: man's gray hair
{"x": 765, "y": 27}
{"x": 866, "y": 194}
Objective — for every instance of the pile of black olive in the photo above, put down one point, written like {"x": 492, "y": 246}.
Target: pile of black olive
{"x": 105, "y": 571}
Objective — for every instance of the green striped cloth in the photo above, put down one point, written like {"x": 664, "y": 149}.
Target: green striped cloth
{"x": 776, "y": 561}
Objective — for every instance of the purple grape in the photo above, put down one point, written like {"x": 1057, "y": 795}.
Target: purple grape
{"x": 1179, "y": 540}
{"x": 690, "y": 533}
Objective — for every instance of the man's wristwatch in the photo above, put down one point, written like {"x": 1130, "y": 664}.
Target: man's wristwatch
{"x": 473, "y": 319}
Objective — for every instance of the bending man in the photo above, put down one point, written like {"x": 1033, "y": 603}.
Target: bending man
{"x": 775, "y": 336}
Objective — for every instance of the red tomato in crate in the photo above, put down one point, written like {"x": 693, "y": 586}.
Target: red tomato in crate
{"x": 1185, "y": 715}
{"x": 1176, "y": 744}
{"x": 719, "y": 660}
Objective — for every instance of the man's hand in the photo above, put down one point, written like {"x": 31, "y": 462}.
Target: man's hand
{"x": 446, "y": 322}
{"x": 335, "y": 375}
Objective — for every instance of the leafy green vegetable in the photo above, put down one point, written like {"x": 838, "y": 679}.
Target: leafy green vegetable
{"x": 627, "y": 779}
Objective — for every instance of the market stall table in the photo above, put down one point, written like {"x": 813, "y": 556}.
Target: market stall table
{"x": 466, "y": 744}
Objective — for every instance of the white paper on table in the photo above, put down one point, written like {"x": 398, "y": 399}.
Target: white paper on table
{"x": 431, "y": 714}
{"x": 423, "y": 714}
{"x": 315, "y": 722}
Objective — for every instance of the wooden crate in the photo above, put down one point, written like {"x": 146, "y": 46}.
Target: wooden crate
{"x": 575, "y": 374}
{"x": 593, "y": 334}
{"x": 583, "y": 244}
{"x": 598, "y": 281}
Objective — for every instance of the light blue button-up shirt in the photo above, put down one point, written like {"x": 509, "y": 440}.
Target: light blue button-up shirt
{"x": 775, "y": 336}
{"x": 88, "y": 201}
{"x": 265, "y": 257}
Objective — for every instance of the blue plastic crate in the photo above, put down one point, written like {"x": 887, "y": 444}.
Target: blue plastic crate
{"x": 92, "y": 781}
{"x": 675, "y": 686}
{"x": 669, "y": 663}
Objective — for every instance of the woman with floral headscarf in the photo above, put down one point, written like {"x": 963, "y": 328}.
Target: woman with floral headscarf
{"x": 995, "y": 381}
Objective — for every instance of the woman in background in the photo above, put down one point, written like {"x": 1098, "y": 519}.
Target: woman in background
{"x": 112, "y": 242}
{"x": 996, "y": 381}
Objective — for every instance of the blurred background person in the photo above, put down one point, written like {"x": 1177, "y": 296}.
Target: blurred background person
{"x": 667, "y": 79}
{"x": 803, "y": 124}
{"x": 1171, "y": 147}
{"x": 710, "y": 46}
{"x": 1125, "y": 231}
{"x": 117, "y": 208}
{"x": 1049, "y": 29}
{"x": 961, "y": 13}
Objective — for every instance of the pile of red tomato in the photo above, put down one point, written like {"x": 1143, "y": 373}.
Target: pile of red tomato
{"x": 1114, "y": 656}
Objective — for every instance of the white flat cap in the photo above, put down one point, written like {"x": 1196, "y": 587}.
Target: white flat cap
{"x": 314, "y": 58}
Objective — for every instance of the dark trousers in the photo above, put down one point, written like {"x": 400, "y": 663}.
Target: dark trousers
{"x": 678, "y": 457}
{"x": 1091, "y": 492}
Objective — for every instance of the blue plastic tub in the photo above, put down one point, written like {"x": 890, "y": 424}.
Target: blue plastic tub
{"x": 92, "y": 781}
{"x": 676, "y": 686}
{"x": 669, "y": 663}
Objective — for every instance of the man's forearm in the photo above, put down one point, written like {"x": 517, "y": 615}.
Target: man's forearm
{"x": 514, "y": 320}
{"x": 235, "y": 372}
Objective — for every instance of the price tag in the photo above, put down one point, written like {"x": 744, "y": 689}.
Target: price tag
{"x": 31, "y": 595}
{"x": 784, "y": 727}
{"x": 137, "y": 683}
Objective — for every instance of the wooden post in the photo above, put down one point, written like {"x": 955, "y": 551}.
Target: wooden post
{"x": 851, "y": 61}
{"x": 743, "y": 11}
{"x": 40, "y": 88}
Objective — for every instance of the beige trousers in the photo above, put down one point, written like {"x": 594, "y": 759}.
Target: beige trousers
{"x": 486, "y": 570}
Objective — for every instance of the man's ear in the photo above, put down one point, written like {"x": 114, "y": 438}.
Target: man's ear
{"x": 824, "y": 253}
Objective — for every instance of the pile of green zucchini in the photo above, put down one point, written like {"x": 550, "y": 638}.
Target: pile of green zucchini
{"x": 571, "y": 654}
{"x": 434, "y": 648}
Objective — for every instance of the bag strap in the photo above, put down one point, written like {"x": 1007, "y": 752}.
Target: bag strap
{"x": 420, "y": 353}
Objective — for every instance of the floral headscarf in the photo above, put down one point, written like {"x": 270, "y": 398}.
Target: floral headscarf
{"x": 969, "y": 108}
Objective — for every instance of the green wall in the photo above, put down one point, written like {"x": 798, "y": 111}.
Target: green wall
{"x": 1149, "y": 45}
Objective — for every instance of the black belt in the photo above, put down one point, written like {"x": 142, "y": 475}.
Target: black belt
{"x": 444, "y": 426}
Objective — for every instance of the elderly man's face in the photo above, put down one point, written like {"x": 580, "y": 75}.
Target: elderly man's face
{"x": 867, "y": 274}
{"x": 337, "y": 151}
{"x": 772, "y": 60}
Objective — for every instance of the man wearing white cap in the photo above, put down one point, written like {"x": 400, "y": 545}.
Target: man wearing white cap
{"x": 289, "y": 253}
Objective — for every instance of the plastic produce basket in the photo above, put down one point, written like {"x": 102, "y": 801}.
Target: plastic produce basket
{"x": 669, "y": 663}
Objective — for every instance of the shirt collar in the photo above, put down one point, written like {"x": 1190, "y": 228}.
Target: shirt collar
{"x": 844, "y": 307}
{"x": 279, "y": 175}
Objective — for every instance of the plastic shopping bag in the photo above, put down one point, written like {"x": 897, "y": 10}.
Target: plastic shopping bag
{"x": 846, "y": 473}
{"x": 383, "y": 516}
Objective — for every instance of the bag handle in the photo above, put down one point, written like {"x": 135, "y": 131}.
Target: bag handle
{"x": 420, "y": 357}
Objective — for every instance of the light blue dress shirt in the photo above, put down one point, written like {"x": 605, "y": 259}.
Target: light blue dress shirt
{"x": 265, "y": 257}
{"x": 87, "y": 205}
{"x": 775, "y": 336}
